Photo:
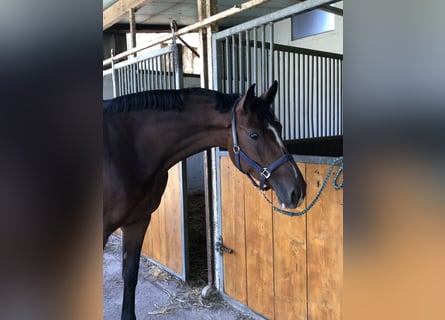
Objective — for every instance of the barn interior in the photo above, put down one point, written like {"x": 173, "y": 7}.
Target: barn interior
{"x": 306, "y": 56}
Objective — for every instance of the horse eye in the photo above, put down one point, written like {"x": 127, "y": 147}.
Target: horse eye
{"x": 254, "y": 136}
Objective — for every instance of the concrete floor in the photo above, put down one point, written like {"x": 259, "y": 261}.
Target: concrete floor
{"x": 159, "y": 295}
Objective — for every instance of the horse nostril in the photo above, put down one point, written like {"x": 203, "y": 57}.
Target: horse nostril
{"x": 294, "y": 197}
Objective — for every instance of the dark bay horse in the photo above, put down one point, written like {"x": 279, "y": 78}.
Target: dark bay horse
{"x": 145, "y": 134}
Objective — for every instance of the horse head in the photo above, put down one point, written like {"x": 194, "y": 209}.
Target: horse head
{"x": 258, "y": 149}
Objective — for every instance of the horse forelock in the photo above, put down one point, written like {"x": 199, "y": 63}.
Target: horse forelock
{"x": 261, "y": 111}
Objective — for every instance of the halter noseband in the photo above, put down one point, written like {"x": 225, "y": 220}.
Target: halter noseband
{"x": 265, "y": 173}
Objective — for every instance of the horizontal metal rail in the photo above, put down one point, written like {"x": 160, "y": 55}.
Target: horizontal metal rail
{"x": 275, "y": 16}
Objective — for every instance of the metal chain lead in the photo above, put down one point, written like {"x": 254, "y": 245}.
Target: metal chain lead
{"x": 336, "y": 185}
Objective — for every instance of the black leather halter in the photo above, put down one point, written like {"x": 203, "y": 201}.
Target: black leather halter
{"x": 265, "y": 173}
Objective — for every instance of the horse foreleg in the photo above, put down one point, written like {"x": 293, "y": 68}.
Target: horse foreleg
{"x": 133, "y": 236}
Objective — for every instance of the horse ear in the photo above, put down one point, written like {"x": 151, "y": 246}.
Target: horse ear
{"x": 250, "y": 94}
{"x": 269, "y": 95}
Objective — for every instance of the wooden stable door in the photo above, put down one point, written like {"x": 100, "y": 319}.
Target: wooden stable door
{"x": 165, "y": 239}
{"x": 282, "y": 267}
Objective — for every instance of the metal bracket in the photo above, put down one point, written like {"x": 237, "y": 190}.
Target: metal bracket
{"x": 221, "y": 248}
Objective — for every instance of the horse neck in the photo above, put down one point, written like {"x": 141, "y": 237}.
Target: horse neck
{"x": 196, "y": 128}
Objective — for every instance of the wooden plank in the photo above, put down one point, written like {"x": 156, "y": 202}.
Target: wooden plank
{"x": 163, "y": 239}
{"x": 259, "y": 251}
{"x": 233, "y": 231}
{"x": 290, "y": 263}
{"x": 324, "y": 247}
{"x": 173, "y": 222}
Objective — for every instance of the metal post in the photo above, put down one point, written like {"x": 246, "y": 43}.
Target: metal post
{"x": 207, "y": 8}
{"x": 179, "y": 79}
{"x": 113, "y": 75}
{"x": 174, "y": 28}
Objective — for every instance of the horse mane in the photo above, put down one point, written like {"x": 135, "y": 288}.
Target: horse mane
{"x": 166, "y": 100}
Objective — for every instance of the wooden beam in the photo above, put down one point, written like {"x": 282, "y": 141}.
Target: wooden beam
{"x": 131, "y": 12}
{"x": 119, "y": 9}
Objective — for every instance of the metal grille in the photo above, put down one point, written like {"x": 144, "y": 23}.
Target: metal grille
{"x": 161, "y": 69}
{"x": 309, "y": 100}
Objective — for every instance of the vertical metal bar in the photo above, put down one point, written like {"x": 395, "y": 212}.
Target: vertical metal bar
{"x": 118, "y": 81}
{"x": 294, "y": 105}
{"x": 334, "y": 97}
{"x": 168, "y": 74}
{"x": 136, "y": 77}
{"x": 338, "y": 97}
{"x": 141, "y": 75}
{"x": 229, "y": 75}
{"x": 128, "y": 86}
{"x": 271, "y": 51}
{"x": 240, "y": 62}
{"x": 219, "y": 74}
{"x": 282, "y": 92}
{"x": 144, "y": 75}
{"x": 299, "y": 97}
{"x": 130, "y": 80}
{"x": 280, "y": 96}
{"x": 312, "y": 97}
{"x": 133, "y": 78}
{"x": 152, "y": 72}
{"x": 263, "y": 58}
{"x": 288, "y": 105}
{"x": 161, "y": 73}
{"x": 325, "y": 118}
{"x": 304, "y": 96}
{"x": 330, "y": 98}
{"x": 121, "y": 81}
{"x": 157, "y": 86}
{"x": 173, "y": 69}
{"x": 123, "y": 88}
{"x": 255, "y": 56}
{"x": 168, "y": 71}
{"x": 248, "y": 65}
{"x": 319, "y": 95}
{"x": 165, "y": 70}
{"x": 113, "y": 75}
{"x": 233, "y": 89}
{"x": 341, "y": 97}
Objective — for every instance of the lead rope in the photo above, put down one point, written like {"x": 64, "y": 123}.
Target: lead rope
{"x": 336, "y": 185}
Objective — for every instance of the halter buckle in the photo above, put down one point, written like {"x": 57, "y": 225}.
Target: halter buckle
{"x": 266, "y": 173}
{"x": 236, "y": 149}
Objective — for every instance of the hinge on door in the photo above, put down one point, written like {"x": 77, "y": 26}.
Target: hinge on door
{"x": 220, "y": 247}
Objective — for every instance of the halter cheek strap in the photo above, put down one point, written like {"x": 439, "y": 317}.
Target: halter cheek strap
{"x": 265, "y": 173}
